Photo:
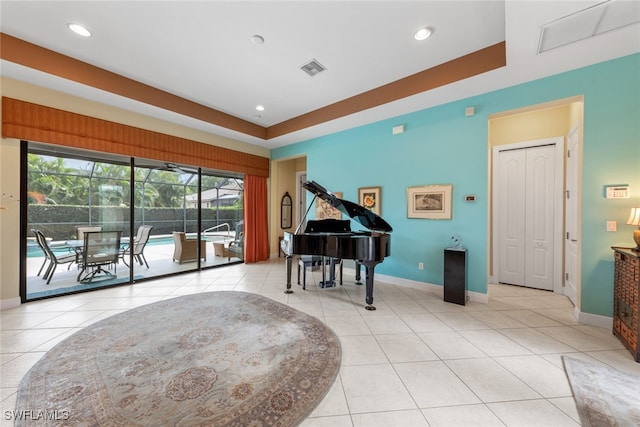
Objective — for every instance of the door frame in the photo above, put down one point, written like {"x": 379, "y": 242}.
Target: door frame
{"x": 301, "y": 196}
{"x": 571, "y": 218}
{"x": 558, "y": 240}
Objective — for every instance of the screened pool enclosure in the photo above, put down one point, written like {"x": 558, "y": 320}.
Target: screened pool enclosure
{"x": 169, "y": 218}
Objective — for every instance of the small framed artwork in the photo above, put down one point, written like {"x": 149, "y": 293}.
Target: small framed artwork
{"x": 429, "y": 202}
{"x": 369, "y": 197}
{"x": 325, "y": 211}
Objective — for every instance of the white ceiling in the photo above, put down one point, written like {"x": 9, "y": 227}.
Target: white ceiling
{"x": 203, "y": 51}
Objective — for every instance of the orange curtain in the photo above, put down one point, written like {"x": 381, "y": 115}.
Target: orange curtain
{"x": 256, "y": 227}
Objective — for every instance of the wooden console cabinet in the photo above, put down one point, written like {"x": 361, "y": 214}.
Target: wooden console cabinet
{"x": 626, "y": 286}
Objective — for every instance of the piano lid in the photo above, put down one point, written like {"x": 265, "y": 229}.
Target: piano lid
{"x": 359, "y": 213}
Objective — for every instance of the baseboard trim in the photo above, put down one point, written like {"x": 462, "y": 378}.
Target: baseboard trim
{"x": 597, "y": 320}
{"x": 415, "y": 284}
{"x": 9, "y": 303}
{"x": 582, "y": 318}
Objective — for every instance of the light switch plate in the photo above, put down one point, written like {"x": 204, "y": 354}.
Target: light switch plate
{"x": 612, "y": 226}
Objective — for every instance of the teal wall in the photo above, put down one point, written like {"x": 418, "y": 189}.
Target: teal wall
{"x": 442, "y": 146}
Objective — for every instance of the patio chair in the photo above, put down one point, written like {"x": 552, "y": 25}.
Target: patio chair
{"x": 236, "y": 246}
{"x": 100, "y": 249}
{"x": 51, "y": 257}
{"x": 41, "y": 246}
{"x": 187, "y": 249}
{"x": 80, "y": 231}
{"x": 137, "y": 246}
{"x": 84, "y": 229}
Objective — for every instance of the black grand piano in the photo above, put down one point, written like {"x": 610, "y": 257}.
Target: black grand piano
{"x": 334, "y": 238}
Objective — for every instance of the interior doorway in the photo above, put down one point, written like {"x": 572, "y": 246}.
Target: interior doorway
{"x": 533, "y": 123}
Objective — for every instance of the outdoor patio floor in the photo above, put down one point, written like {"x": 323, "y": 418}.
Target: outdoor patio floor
{"x": 158, "y": 256}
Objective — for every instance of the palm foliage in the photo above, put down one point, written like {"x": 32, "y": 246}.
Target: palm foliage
{"x": 63, "y": 181}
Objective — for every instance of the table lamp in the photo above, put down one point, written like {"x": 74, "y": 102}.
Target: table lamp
{"x": 634, "y": 219}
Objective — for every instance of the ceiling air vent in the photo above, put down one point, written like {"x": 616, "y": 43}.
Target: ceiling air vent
{"x": 313, "y": 67}
{"x": 590, "y": 22}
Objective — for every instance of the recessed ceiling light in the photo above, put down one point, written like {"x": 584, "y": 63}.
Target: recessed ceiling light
{"x": 257, "y": 39}
{"x": 422, "y": 34}
{"x": 260, "y": 107}
{"x": 79, "y": 30}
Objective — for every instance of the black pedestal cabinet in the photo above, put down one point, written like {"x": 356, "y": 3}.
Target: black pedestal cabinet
{"x": 455, "y": 276}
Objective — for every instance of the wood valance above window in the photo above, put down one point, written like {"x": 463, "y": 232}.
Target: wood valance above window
{"x": 38, "y": 123}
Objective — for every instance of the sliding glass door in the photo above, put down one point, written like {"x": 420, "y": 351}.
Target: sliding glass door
{"x": 166, "y": 228}
{"x": 221, "y": 201}
{"x": 183, "y": 219}
{"x": 73, "y": 200}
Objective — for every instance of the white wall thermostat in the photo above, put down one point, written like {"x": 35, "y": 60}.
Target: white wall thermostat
{"x": 618, "y": 192}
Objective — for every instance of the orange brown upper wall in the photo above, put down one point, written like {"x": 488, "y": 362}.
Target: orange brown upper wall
{"x": 33, "y": 56}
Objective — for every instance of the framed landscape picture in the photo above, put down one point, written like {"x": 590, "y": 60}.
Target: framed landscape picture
{"x": 429, "y": 201}
{"x": 369, "y": 197}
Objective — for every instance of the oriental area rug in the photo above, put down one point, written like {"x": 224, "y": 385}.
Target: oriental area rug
{"x": 210, "y": 359}
{"x": 604, "y": 396}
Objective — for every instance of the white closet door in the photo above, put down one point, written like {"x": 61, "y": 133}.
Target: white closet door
{"x": 539, "y": 217}
{"x": 526, "y": 214}
{"x": 511, "y": 215}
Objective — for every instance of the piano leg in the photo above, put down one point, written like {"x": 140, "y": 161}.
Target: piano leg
{"x": 324, "y": 272}
{"x": 358, "y": 282}
{"x": 288, "y": 262}
{"x": 369, "y": 286}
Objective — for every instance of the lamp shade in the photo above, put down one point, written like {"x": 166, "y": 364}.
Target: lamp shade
{"x": 634, "y": 218}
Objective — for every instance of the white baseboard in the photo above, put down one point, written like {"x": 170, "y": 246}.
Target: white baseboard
{"x": 9, "y": 303}
{"x": 415, "y": 284}
{"x": 582, "y": 318}
{"x": 407, "y": 283}
{"x": 593, "y": 319}
{"x": 478, "y": 297}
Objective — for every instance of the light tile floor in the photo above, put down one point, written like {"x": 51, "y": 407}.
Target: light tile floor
{"x": 415, "y": 361}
